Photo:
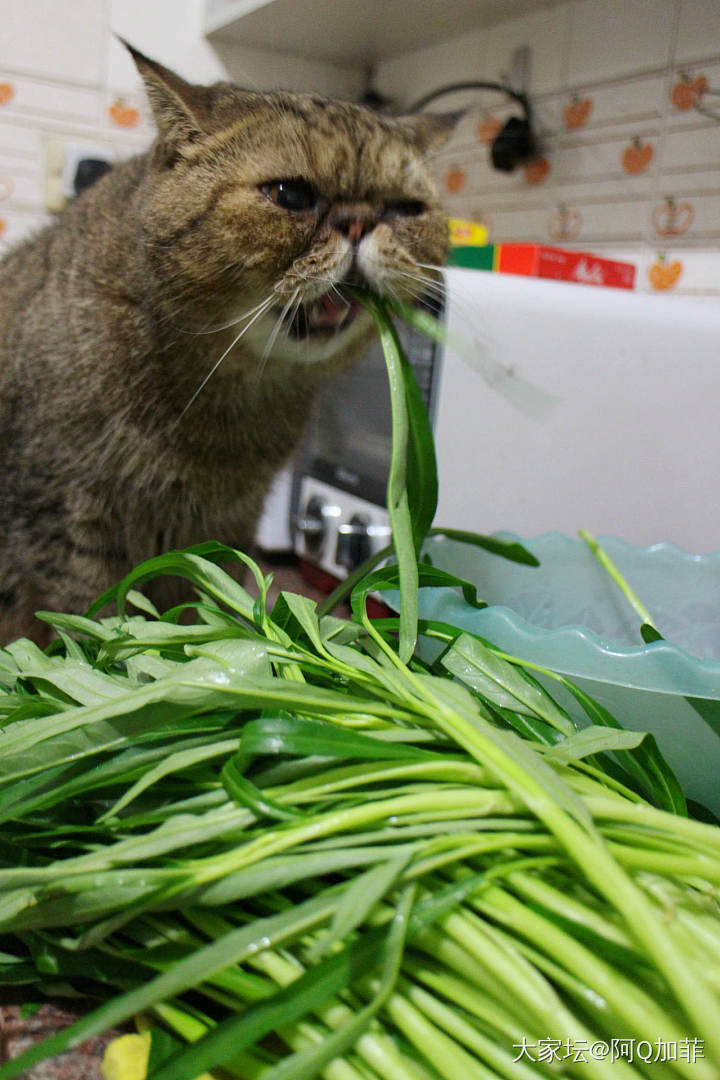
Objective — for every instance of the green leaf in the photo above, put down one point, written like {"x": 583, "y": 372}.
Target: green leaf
{"x": 53, "y": 786}
{"x": 245, "y": 793}
{"x": 399, "y": 508}
{"x": 299, "y": 737}
{"x": 172, "y": 763}
{"x": 303, "y": 611}
{"x": 229, "y": 949}
{"x": 78, "y": 624}
{"x": 527, "y": 726}
{"x": 77, "y": 681}
{"x": 594, "y": 740}
{"x": 422, "y": 480}
{"x": 644, "y": 763}
{"x": 358, "y": 900}
{"x": 345, "y": 588}
{"x": 308, "y": 1063}
{"x": 196, "y": 565}
{"x": 198, "y": 686}
{"x": 519, "y": 766}
{"x": 141, "y": 602}
{"x": 708, "y": 709}
{"x": 168, "y": 637}
{"x": 512, "y": 550}
{"x": 504, "y": 684}
{"x": 279, "y": 871}
{"x": 162, "y": 1046}
{"x": 286, "y": 1006}
{"x": 389, "y": 578}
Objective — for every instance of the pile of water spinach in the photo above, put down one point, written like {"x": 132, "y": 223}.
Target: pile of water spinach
{"x": 289, "y": 847}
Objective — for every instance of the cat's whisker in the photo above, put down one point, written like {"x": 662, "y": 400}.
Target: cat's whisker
{"x": 295, "y": 309}
{"x": 418, "y": 275}
{"x": 435, "y": 267}
{"x": 402, "y": 290}
{"x": 424, "y": 288}
{"x": 468, "y": 314}
{"x": 334, "y": 288}
{"x": 421, "y": 280}
{"x": 273, "y": 335}
{"x": 227, "y": 325}
{"x": 267, "y": 303}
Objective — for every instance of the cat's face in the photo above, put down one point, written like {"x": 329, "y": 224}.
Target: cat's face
{"x": 263, "y": 207}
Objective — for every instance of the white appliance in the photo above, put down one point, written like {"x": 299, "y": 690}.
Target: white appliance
{"x": 599, "y": 409}
{"x": 555, "y": 406}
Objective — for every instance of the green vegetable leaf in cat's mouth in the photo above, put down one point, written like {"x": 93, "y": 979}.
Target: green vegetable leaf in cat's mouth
{"x": 326, "y": 315}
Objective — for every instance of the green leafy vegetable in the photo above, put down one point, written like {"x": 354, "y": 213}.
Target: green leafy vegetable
{"x": 300, "y": 850}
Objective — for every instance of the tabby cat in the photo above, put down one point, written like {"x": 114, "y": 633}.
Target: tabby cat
{"x": 160, "y": 344}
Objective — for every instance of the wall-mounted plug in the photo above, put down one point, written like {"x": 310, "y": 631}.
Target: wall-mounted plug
{"x": 71, "y": 166}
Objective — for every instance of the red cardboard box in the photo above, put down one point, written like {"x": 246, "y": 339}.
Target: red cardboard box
{"x": 548, "y": 262}
{"x": 537, "y": 260}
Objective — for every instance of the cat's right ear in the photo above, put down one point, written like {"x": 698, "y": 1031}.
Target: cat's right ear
{"x": 429, "y": 131}
{"x": 179, "y": 107}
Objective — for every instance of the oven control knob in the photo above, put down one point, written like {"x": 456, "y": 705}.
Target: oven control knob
{"x": 353, "y": 543}
{"x": 313, "y": 524}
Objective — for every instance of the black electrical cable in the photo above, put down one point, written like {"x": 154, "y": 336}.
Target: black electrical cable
{"x": 452, "y": 88}
{"x": 516, "y": 143}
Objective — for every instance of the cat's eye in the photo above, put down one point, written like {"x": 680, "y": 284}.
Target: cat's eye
{"x": 404, "y": 208}
{"x": 294, "y": 194}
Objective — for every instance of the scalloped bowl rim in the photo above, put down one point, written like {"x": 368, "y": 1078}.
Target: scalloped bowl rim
{"x": 659, "y": 666}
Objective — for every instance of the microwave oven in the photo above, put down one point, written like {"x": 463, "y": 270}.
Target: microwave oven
{"x": 555, "y": 406}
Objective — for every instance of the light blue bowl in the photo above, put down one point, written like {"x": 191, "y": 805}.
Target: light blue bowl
{"x": 569, "y": 616}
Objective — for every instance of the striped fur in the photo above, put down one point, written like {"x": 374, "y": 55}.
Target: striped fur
{"x": 112, "y": 318}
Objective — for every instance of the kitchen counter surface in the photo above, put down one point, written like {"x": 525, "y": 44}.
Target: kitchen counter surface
{"x": 23, "y": 1025}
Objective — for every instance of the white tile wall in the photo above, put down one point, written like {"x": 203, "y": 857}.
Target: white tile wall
{"x": 17, "y": 140}
{"x": 599, "y": 160}
{"x": 698, "y": 30}
{"x": 630, "y": 101}
{"x": 259, "y": 69}
{"x": 614, "y": 38}
{"x": 608, "y": 78}
{"x": 689, "y": 117}
{"x": 694, "y": 149}
{"x": 546, "y": 32}
{"x": 34, "y": 97}
{"x": 407, "y": 77}
{"x": 54, "y": 39}
{"x": 20, "y": 189}
{"x": 16, "y": 225}
{"x": 64, "y": 74}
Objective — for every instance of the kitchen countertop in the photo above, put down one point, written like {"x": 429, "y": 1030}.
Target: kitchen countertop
{"x": 23, "y": 1025}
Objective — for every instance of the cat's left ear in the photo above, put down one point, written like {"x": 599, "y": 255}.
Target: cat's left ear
{"x": 430, "y": 131}
{"x": 180, "y": 108}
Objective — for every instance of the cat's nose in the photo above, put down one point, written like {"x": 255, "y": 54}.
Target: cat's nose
{"x": 353, "y": 220}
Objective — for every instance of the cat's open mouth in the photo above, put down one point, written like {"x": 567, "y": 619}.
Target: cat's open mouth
{"x": 328, "y": 314}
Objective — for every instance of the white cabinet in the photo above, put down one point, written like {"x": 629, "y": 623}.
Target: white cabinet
{"x": 348, "y": 32}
